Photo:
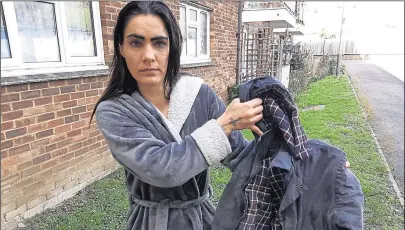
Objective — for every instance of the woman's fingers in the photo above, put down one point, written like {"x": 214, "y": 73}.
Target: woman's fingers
{"x": 256, "y": 129}
{"x": 347, "y": 165}
{"x": 255, "y": 102}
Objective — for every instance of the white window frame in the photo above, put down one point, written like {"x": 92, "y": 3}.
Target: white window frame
{"x": 15, "y": 66}
{"x": 184, "y": 59}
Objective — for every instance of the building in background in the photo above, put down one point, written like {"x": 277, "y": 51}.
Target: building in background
{"x": 268, "y": 31}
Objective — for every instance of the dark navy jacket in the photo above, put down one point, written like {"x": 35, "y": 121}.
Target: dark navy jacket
{"x": 320, "y": 192}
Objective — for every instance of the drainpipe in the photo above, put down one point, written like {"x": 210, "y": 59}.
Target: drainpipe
{"x": 238, "y": 42}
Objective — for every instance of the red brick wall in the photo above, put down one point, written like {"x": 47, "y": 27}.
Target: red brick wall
{"x": 223, "y": 25}
{"x": 47, "y": 147}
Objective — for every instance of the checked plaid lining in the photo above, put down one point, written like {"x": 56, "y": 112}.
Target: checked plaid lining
{"x": 265, "y": 191}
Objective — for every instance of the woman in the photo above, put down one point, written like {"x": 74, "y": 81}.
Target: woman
{"x": 166, "y": 130}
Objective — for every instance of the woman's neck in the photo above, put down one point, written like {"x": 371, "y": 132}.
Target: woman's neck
{"x": 155, "y": 95}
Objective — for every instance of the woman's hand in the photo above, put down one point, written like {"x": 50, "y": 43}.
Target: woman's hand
{"x": 239, "y": 116}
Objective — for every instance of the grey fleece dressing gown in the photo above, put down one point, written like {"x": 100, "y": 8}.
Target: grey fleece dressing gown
{"x": 166, "y": 160}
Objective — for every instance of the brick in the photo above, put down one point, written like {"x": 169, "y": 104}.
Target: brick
{"x": 54, "y": 193}
{"x": 19, "y": 149}
{"x": 61, "y": 98}
{"x": 44, "y": 190}
{"x": 79, "y": 124}
{"x": 69, "y": 171}
{"x": 74, "y": 133}
{"x": 30, "y": 94}
{"x": 33, "y": 111}
{"x": 37, "y": 201}
{"x": 28, "y": 197}
{"x": 7, "y": 180}
{"x": 40, "y": 143}
{"x": 77, "y": 95}
{"x": 67, "y": 89}
{"x": 11, "y": 97}
{"x": 16, "y": 133}
{"x": 49, "y": 164}
{"x": 56, "y": 122}
{"x": 57, "y": 138}
{"x": 23, "y": 182}
{"x": 63, "y": 128}
{"x": 75, "y": 146}
{"x": 64, "y": 113}
{"x": 5, "y": 107}
{"x": 7, "y": 144}
{"x": 82, "y": 87}
{"x": 50, "y": 92}
{"x": 46, "y": 117}
{"x": 80, "y": 109}
{"x": 71, "y": 119}
{"x": 70, "y": 185}
{"x": 39, "y": 85}
{"x": 37, "y": 127}
{"x": 53, "y": 107}
{"x": 64, "y": 143}
{"x": 62, "y": 182}
{"x": 7, "y": 125}
{"x": 9, "y": 161}
{"x": 17, "y": 88}
{"x": 9, "y": 207}
{"x": 57, "y": 83}
{"x": 22, "y": 104}
{"x": 30, "y": 171}
{"x": 24, "y": 122}
{"x": 24, "y": 165}
{"x": 96, "y": 85}
{"x": 42, "y": 158}
{"x": 79, "y": 138}
{"x": 75, "y": 81}
{"x": 45, "y": 133}
{"x": 81, "y": 151}
{"x": 59, "y": 152}
{"x": 43, "y": 101}
{"x": 25, "y": 139}
{"x": 91, "y": 93}
{"x": 32, "y": 187}
{"x": 50, "y": 148}
{"x": 11, "y": 115}
{"x": 84, "y": 177}
{"x": 75, "y": 161}
{"x": 66, "y": 157}
{"x": 85, "y": 115}
{"x": 69, "y": 104}
{"x": 19, "y": 211}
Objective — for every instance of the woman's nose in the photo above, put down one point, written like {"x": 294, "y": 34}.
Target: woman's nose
{"x": 148, "y": 54}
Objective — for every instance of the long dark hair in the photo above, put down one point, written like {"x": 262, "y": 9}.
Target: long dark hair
{"x": 121, "y": 80}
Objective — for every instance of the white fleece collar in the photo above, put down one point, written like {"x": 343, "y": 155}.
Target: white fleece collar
{"x": 182, "y": 99}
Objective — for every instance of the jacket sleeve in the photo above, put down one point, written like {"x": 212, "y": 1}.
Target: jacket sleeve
{"x": 151, "y": 159}
{"x": 349, "y": 201}
{"x": 237, "y": 141}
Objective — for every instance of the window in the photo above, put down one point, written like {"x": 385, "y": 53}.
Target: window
{"x": 195, "y": 27}
{"x": 44, "y": 35}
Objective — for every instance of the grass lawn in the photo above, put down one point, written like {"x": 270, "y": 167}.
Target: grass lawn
{"x": 103, "y": 205}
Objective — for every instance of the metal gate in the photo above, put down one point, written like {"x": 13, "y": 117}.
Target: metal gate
{"x": 260, "y": 53}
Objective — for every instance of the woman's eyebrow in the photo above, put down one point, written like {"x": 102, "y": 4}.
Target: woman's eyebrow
{"x": 143, "y": 38}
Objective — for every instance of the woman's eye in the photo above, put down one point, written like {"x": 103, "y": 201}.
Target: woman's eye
{"x": 135, "y": 43}
{"x": 160, "y": 44}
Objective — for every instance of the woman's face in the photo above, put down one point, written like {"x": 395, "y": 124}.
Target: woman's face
{"x": 146, "y": 49}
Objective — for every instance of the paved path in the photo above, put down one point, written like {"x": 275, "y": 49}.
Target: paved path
{"x": 382, "y": 96}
